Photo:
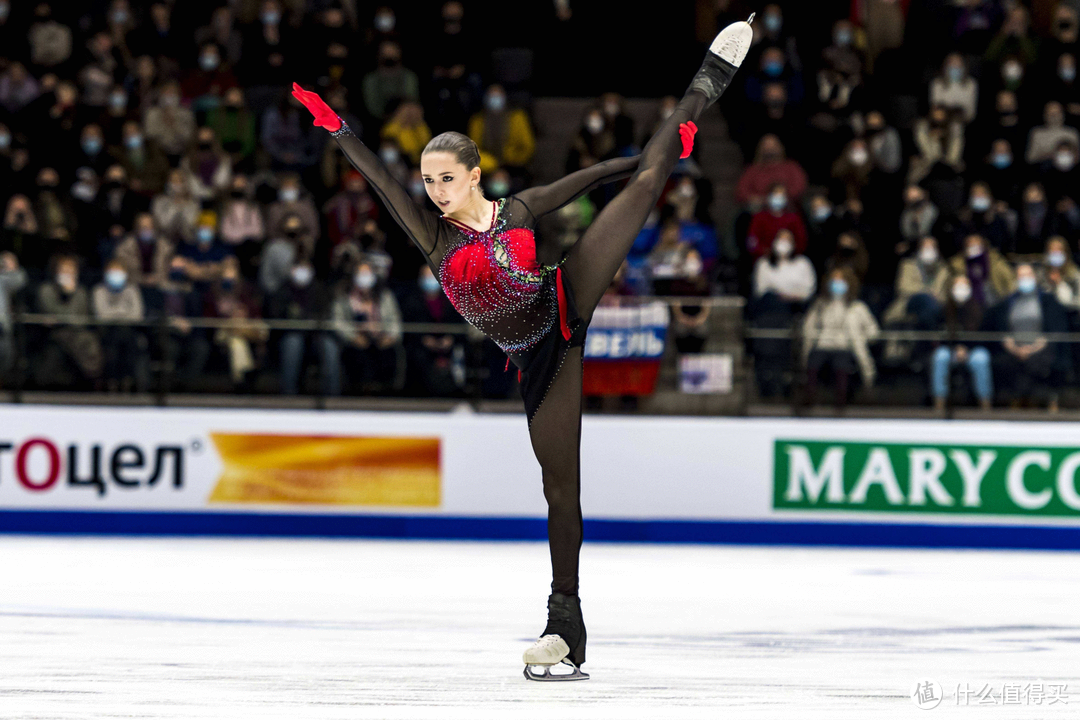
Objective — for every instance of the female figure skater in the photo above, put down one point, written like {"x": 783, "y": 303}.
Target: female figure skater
{"x": 488, "y": 261}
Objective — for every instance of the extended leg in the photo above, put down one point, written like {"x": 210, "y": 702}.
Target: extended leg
{"x": 593, "y": 261}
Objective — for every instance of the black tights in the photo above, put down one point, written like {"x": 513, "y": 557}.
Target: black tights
{"x": 590, "y": 266}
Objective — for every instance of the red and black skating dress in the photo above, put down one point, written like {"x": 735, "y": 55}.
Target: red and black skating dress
{"x": 494, "y": 278}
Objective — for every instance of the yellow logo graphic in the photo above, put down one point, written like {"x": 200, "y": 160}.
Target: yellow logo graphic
{"x": 327, "y": 470}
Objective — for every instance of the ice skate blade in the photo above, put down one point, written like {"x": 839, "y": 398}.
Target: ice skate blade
{"x": 545, "y": 674}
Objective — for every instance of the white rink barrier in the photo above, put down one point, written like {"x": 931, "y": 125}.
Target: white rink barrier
{"x": 665, "y": 479}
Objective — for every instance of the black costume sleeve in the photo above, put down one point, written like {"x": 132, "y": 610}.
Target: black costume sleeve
{"x": 547, "y": 198}
{"x": 419, "y": 225}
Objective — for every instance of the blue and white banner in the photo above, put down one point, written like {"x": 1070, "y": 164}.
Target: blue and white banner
{"x": 628, "y": 333}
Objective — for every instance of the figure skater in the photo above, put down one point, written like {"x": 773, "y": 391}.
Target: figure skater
{"x": 488, "y": 261}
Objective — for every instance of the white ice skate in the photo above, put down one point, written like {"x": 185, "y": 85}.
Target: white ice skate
{"x": 726, "y": 54}
{"x": 547, "y": 661}
{"x": 733, "y": 42}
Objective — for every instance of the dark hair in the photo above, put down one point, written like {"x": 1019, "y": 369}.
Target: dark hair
{"x": 460, "y": 146}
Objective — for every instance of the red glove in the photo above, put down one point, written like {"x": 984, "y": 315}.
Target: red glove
{"x": 324, "y": 116}
{"x": 686, "y": 132}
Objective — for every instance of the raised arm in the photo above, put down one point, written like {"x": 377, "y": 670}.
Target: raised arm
{"x": 418, "y": 225}
{"x": 547, "y": 198}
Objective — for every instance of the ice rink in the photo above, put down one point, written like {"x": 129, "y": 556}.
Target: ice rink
{"x": 246, "y": 628}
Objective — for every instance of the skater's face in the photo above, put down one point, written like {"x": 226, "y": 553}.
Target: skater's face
{"x": 450, "y": 185}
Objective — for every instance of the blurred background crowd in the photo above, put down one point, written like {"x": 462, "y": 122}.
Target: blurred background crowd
{"x": 908, "y": 165}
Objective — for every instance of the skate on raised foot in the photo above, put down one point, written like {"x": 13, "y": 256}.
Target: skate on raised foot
{"x": 550, "y": 658}
{"x": 725, "y": 55}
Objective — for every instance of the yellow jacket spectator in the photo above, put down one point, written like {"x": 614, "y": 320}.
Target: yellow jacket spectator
{"x": 408, "y": 129}
{"x": 505, "y": 137}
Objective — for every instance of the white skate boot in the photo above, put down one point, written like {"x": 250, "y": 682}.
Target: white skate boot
{"x": 726, "y": 54}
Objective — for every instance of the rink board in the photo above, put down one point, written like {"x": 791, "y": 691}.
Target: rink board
{"x": 174, "y": 471}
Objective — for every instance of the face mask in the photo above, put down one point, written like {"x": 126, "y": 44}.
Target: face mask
{"x": 838, "y": 287}
{"x": 611, "y": 110}
{"x": 175, "y": 188}
{"x": 146, "y": 235}
{"x": 270, "y": 17}
{"x": 496, "y": 102}
{"x": 389, "y": 155}
{"x": 83, "y": 191}
{"x": 119, "y": 16}
{"x": 364, "y": 280}
{"x": 66, "y": 281}
{"x": 429, "y": 284}
{"x": 91, "y": 146}
{"x": 170, "y": 101}
{"x": 783, "y": 248}
{"x": 1056, "y": 258}
{"x": 499, "y": 188}
{"x": 5, "y": 141}
{"x": 289, "y": 194}
{"x": 773, "y": 68}
{"x": 384, "y": 22}
{"x": 974, "y": 251}
{"x": 843, "y": 38}
{"x": 1067, "y": 73}
{"x": 961, "y": 293}
{"x": 859, "y": 156}
{"x": 416, "y": 188}
{"x": 1013, "y": 72}
{"x": 821, "y": 213}
{"x": 115, "y": 279}
{"x": 594, "y": 125}
{"x": 773, "y": 23}
{"x": 177, "y": 275}
{"x": 928, "y": 256}
{"x": 1026, "y": 285}
{"x": 133, "y": 142}
{"x": 118, "y": 101}
{"x": 237, "y": 193}
{"x": 205, "y": 235}
{"x": 302, "y": 275}
{"x": 956, "y": 74}
{"x": 228, "y": 284}
{"x": 980, "y": 203}
{"x": 1001, "y": 161}
{"x": 777, "y": 202}
{"x": 693, "y": 267}
{"x": 1064, "y": 161}
{"x": 208, "y": 62}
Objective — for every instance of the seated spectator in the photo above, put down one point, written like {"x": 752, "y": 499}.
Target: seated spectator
{"x": 303, "y": 297}
{"x": 954, "y": 89}
{"x": 347, "y": 210}
{"x": 985, "y": 216}
{"x": 91, "y": 152}
{"x": 595, "y": 140}
{"x": 169, "y": 124}
{"x": 187, "y": 347}
{"x": 1058, "y": 274}
{"x": 18, "y": 88}
{"x": 50, "y": 41}
{"x": 823, "y": 225}
{"x": 407, "y": 128}
{"x": 175, "y": 211}
{"x": 920, "y": 288}
{"x": 1030, "y": 363}
{"x": 919, "y": 217}
{"x": 783, "y": 285}
{"x": 777, "y": 214}
{"x": 205, "y": 85}
{"x": 293, "y": 199}
{"x": 1044, "y": 139}
{"x": 117, "y": 300}
{"x": 389, "y": 81}
{"x": 280, "y": 254}
{"x": 674, "y": 265}
{"x": 1036, "y": 223}
{"x": 144, "y": 254}
{"x": 117, "y": 203}
{"x": 1060, "y": 175}
{"x": 73, "y": 346}
{"x": 841, "y": 72}
{"x": 850, "y": 253}
{"x": 837, "y": 331}
{"x": 293, "y": 143}
{"x": 205, "y": 257}
{"x": 963, "y": 313}
{"x": 242, "y": 227}
{"x": 222, "y": 31}
{"x": 504, "y": 135}
{"x": 146, "y": 165}
{"x": 242, "y": 339}
{"x": 987, "y": 270}
{"x": 206, "y": 166}
{"x": 1014, "y": 38}
{"x": 1001, "y": 173}
{"x": 1066, "y": 88}
{"x": 367, "y": 321}
{"x": 234, "y": 125}
{"x": 20, "y": 233}
{"x": 770, "y": 167}
{"x": 56, "y": 212}
{"x": 883, "y": 142}
{"x": 434, "y": 361}
{"x": 12, "y": 280}
{"x": 852, "y": 170}
{"x": 939, "y": 138}
{"x": 774, "y": 68}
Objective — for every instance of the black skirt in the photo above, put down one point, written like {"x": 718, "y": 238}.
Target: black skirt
{"x": 540, "y": 364}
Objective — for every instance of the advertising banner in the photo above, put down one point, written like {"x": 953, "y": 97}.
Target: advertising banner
{"x": 623, "y": 349}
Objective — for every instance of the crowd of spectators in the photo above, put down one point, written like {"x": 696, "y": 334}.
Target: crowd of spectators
{"x": 914, "y": 169}
{"x": 163, "y": 195}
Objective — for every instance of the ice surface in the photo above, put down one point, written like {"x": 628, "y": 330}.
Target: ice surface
{"x": 241, "y": 628}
